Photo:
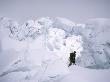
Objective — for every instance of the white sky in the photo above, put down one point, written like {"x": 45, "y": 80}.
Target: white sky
{"x": 75, "y": 10}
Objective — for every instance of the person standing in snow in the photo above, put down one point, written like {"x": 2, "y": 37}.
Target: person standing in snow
{"x": 72, "y": 58}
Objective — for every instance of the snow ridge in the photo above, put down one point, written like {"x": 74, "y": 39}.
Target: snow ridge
{"x": 45, "y": 42}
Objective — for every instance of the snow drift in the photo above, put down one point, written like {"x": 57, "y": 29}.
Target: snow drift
{"x": 44, "y": 44}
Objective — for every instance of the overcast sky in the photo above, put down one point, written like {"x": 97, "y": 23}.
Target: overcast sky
{"x": 75, "y": 10}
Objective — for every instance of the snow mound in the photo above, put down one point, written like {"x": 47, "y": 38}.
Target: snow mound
{"x": 43, "y": 46}
{"x": 96, "y": 43}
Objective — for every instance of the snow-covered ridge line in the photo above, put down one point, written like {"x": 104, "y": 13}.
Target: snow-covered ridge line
{"x": 61, "y": 36}
{"x": 42, "y": 47}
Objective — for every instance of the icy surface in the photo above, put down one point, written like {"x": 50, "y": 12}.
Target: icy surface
{"x": 38, "y": 50}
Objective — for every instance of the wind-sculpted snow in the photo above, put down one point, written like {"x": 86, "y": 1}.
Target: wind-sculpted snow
{"x": 43, "y": 45}
{"x": 95, "y": 39}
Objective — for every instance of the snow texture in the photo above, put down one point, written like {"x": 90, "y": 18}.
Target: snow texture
{"x": 40, "y": 48}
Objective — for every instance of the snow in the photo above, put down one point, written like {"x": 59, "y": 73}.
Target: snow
{"x": 66, "y": 21}
{"x": 76, "y": 74}
{"x": 80, "y": 74}
{"x": 38, "y": 50}
{"x": 6, "y": 45}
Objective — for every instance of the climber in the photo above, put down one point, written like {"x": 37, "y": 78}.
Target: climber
{"x": 72, "y": 58}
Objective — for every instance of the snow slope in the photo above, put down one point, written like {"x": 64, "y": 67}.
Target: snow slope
{"x": 40, "y": 48}
{"x": 79, "y": 74}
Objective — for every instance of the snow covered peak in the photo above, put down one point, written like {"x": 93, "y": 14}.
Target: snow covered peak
{"x": 42, "y": 48}
{"x": 63, "y": 36}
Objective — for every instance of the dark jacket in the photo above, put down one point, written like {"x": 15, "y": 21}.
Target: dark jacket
{"x": 72, "y": 57}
